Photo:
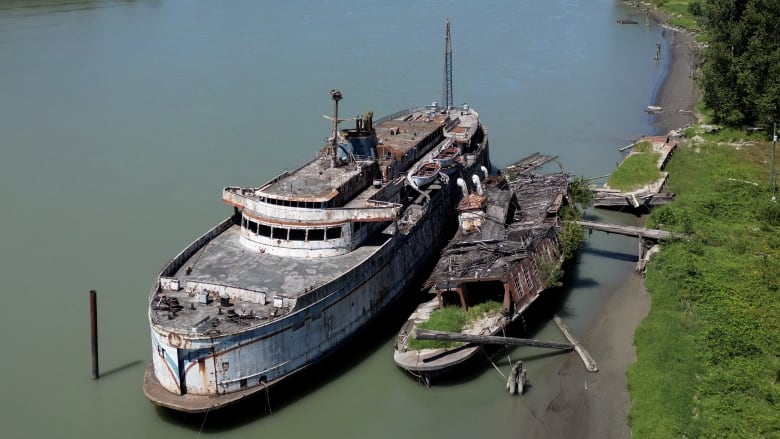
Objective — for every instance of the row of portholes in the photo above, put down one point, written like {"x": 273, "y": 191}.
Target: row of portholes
{"x": 287, "y": 234}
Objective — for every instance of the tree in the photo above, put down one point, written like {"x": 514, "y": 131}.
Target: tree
{"x": 741, "y": 75}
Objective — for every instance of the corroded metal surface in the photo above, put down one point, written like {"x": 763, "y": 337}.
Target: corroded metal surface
{"x": 306, "y": 261}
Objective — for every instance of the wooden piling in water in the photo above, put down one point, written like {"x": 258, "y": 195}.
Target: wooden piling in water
{"x": 590, "y": 364}
{"x": 94, "y": 332}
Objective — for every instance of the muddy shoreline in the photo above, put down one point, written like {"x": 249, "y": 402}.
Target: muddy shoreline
{"x": 597, "y": 404}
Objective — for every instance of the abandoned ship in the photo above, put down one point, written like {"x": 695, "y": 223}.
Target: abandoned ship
{"x": 308, "y": 258}
{"x": 505, "y": 253}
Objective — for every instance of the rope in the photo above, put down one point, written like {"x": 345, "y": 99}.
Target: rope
{"x": 268, "y": 398}
{"x": 203, "y": 424}
{"x": 491, "y": 362}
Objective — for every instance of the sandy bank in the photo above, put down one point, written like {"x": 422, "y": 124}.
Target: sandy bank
{"x": 678, "y": 94}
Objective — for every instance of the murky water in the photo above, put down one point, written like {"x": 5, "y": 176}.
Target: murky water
{"x": 121, "y": 122}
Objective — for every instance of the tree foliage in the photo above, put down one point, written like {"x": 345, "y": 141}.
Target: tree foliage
{"x": 741, "y": 75}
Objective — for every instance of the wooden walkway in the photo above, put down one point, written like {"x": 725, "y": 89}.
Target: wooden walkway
{"x": 648, "y": 238}
{"x": 639, "y": 232}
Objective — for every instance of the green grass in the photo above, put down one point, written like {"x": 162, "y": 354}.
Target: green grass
{"x": 708, "y": 361}
{"x": 635, "y": 171}
{"x": 643, "y": 146}
{"x": 681, "y": 15}
{"x": 451, "y": 319}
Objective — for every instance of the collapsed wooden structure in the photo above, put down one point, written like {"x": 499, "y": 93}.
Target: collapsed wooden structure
{"x": 506, "y": 234}
{"x": 653, "y": 194}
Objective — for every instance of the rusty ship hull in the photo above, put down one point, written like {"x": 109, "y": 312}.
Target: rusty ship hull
{"x": 299, "y": 269}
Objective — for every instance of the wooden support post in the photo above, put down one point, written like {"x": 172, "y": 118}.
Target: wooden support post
{"x": 507, "y": 297}
{"x": 462, "y": 299}
{"x": 640, "y": 254}
{"x": 94, "y": 332}
{"x": 515, "y": 384}
{"x": 590, "y": 364}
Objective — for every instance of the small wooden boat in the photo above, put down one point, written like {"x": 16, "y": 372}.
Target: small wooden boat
{"x": 627, "y": 21}
{"x": 447, "y": 155}
{"x": 654, "y": 109}
{"x": 425, "y": 174}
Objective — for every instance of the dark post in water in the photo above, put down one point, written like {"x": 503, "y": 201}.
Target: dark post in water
{"x": 94, "y": 332}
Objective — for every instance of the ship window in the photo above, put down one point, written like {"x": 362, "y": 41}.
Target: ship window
{"x": 297, "y": 234}
{"x": 252, "y": 226}
{"x": 528, "y": 279}
{"x": 316, "y": 234}
{"x": 279, "y": 233}
{"x": 333, "y": 233}
{"x": 264, "y": 230}
{"x": 357, "y": 226}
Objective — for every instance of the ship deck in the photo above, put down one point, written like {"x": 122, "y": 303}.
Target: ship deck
{"x": 225, "y": 262}
{"x": 318, "y": 180}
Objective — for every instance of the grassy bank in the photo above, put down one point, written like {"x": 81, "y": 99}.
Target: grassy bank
{"x": 686, "y": 14}
{"x": 709, "y": 351}
{"x": 636, "y": 171}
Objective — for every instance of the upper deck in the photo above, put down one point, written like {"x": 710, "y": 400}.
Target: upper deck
{"x": 398, "y": 140}
{"x": 303, "y": 229}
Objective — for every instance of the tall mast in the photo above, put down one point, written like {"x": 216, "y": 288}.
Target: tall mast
{"x": 333, "y": 141}
{"x": 446, "y": 95}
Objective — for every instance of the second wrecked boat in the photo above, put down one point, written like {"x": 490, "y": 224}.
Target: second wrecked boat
{"x": 506, "y": 252}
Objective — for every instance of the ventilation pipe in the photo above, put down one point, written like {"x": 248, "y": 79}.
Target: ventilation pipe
{"x": 477, "y": 183}
{"x": 463, "y": 188}
{"x": 485, "y": 171}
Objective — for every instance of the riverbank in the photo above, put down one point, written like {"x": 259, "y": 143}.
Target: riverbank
{"x": 597, "y": 405}
{"x": 677, "y": 93}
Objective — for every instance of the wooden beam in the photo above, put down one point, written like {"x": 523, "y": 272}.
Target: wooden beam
{"x": 590, "y": 364}
{"x": 428, "y": 334}
{"x": 653, "y": 234}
